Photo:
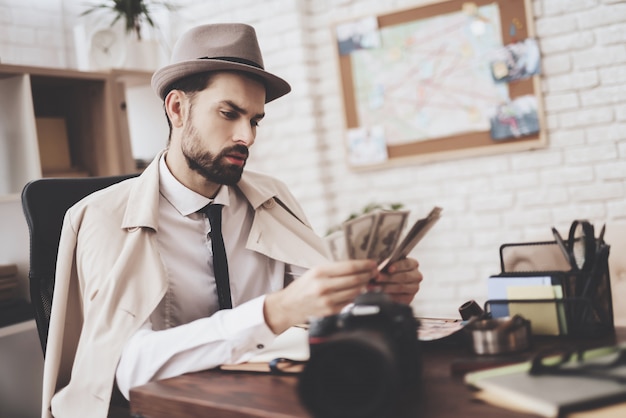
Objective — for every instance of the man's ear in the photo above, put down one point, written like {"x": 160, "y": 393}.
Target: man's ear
{"x": 175, "y": 107}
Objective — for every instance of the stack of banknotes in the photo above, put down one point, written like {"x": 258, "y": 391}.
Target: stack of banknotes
{"x": 377, "y": 236}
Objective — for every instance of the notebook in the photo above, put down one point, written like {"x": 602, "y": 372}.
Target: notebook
{"x": 497, "y": 289}
{"x": 514, "y": 388}
{"x": 543, "y": 317}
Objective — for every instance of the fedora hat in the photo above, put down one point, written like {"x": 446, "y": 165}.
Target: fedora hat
{"x": 218, "y": 47}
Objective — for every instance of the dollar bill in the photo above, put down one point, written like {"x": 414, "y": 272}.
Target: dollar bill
{"x": 412, "y": 237}
{"x": 357, "y": 233}
{"x": 385, "y": 234}
{"x": 336, "y": 246}
{"x": 377, "y": 236}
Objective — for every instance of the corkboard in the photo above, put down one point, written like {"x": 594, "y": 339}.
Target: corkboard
{"x": 515, "y": 27}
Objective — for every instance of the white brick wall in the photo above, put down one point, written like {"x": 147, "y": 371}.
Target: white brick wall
{"x": 487, "y": 200}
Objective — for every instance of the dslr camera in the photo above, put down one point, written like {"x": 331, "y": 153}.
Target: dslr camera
{"x": 361, "y": 360}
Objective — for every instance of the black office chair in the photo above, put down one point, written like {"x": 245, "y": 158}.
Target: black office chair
{"x": 45, "y": 202}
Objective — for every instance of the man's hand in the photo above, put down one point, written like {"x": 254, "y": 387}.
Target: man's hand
{"x": 401, "y": 280}
{"x": 321, "y": 291}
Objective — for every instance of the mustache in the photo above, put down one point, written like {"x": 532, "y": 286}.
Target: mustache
{"x": 236, "y": 149}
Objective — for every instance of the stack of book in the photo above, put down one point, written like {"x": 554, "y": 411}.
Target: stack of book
{"x": 8, "y": 281}
{"x": 13, "y": 308}
{"x": 593, "y": 386}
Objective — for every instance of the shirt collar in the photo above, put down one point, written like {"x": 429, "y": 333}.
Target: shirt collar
{"x": 185, "y": 200}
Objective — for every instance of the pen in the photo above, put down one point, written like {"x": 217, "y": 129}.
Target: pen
{"x": 601, "y": 236}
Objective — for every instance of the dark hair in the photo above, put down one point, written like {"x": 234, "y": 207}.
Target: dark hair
{"x": 195, "y": 83}
{"x": 188, "y": 85}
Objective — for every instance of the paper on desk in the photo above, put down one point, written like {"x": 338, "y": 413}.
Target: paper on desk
{"x": 543, "y": 317}
{"x": 497, "y": 289}
{"x": 433, "y": 329}
{"x": 292, "y": 344}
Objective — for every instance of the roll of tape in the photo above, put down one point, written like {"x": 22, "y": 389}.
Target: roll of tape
{"x": 501, "y": 335}
{"x": 470, "y": 309}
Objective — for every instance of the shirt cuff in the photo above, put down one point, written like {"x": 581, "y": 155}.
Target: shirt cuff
{"x": 248, "y": 336}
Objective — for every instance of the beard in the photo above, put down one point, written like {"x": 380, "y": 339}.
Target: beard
{"x": 212, "y": 167}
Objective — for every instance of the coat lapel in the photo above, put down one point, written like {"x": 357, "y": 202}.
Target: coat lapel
{"x": 280, "y": 229}
{"x": 279, "y": 235}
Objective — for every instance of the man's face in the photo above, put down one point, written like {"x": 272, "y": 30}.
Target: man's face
{"x": 221, "y": 125}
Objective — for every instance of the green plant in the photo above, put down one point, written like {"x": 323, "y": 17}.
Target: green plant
{"x": 134, "y": 12}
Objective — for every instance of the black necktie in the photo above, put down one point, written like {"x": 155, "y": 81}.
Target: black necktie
{"x": 220, "y": 262}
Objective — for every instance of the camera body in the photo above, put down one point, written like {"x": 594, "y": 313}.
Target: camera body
{"x": 361, "y": 359}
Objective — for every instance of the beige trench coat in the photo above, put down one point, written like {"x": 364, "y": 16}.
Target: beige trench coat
{"x": 110, "y": 278}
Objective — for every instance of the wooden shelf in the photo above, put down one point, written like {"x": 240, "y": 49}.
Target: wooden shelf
{"x": 92, "y": 106}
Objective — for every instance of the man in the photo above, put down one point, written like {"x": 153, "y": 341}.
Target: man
{"x": 136, "y": 296}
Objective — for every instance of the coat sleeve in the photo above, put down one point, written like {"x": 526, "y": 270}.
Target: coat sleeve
{"x": 65, "y": 320}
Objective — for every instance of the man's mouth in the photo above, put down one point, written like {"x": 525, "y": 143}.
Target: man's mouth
{"x": 236, "y": 158}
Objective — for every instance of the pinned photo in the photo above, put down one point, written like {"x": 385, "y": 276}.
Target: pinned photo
{"x": 367, "y": 145}
{"x": 516, "y": 61}
{"x": 360, "y": 34}
{"x": 515, "y": 119}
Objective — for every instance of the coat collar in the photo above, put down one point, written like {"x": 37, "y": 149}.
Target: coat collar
{"x": 143, "y": 201}
{"x": 142, "y": 210}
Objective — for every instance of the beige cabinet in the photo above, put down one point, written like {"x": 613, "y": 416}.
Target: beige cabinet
{"x": 59, "y": 123}
{"x": 21, "y": 362}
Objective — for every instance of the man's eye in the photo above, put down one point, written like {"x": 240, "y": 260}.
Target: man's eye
{"x": 229, "y": 115}
{"x": 255, "y": 123}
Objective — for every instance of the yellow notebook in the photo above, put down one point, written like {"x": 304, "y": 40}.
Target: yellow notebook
{"x": 543, "y": 316}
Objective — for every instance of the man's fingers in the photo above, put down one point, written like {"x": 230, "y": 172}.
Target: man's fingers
{"x": 405, "y": 264}
{"x": 344, "y": 268}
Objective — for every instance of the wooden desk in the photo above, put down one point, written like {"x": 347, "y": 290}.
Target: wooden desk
{"x": 218, "y": 394}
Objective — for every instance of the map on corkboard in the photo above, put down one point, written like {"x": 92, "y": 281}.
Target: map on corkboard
{"x": 447, "y": 80}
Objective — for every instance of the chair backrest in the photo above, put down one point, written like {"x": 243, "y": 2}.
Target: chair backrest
{"x": 44, "y": 202}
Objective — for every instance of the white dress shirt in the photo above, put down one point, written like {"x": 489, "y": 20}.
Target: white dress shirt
{"x": 187, "y": 333}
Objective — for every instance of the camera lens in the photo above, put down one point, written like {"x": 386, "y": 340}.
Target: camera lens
{"x": 351, "y": 375}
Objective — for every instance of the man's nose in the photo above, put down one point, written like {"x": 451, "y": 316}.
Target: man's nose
{"x": 245, "y": 134}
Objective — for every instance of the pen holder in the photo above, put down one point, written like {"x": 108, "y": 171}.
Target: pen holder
{"x": 585, "y": 308}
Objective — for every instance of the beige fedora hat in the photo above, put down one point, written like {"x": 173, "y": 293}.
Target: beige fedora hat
{"x": 218, "y": 47}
